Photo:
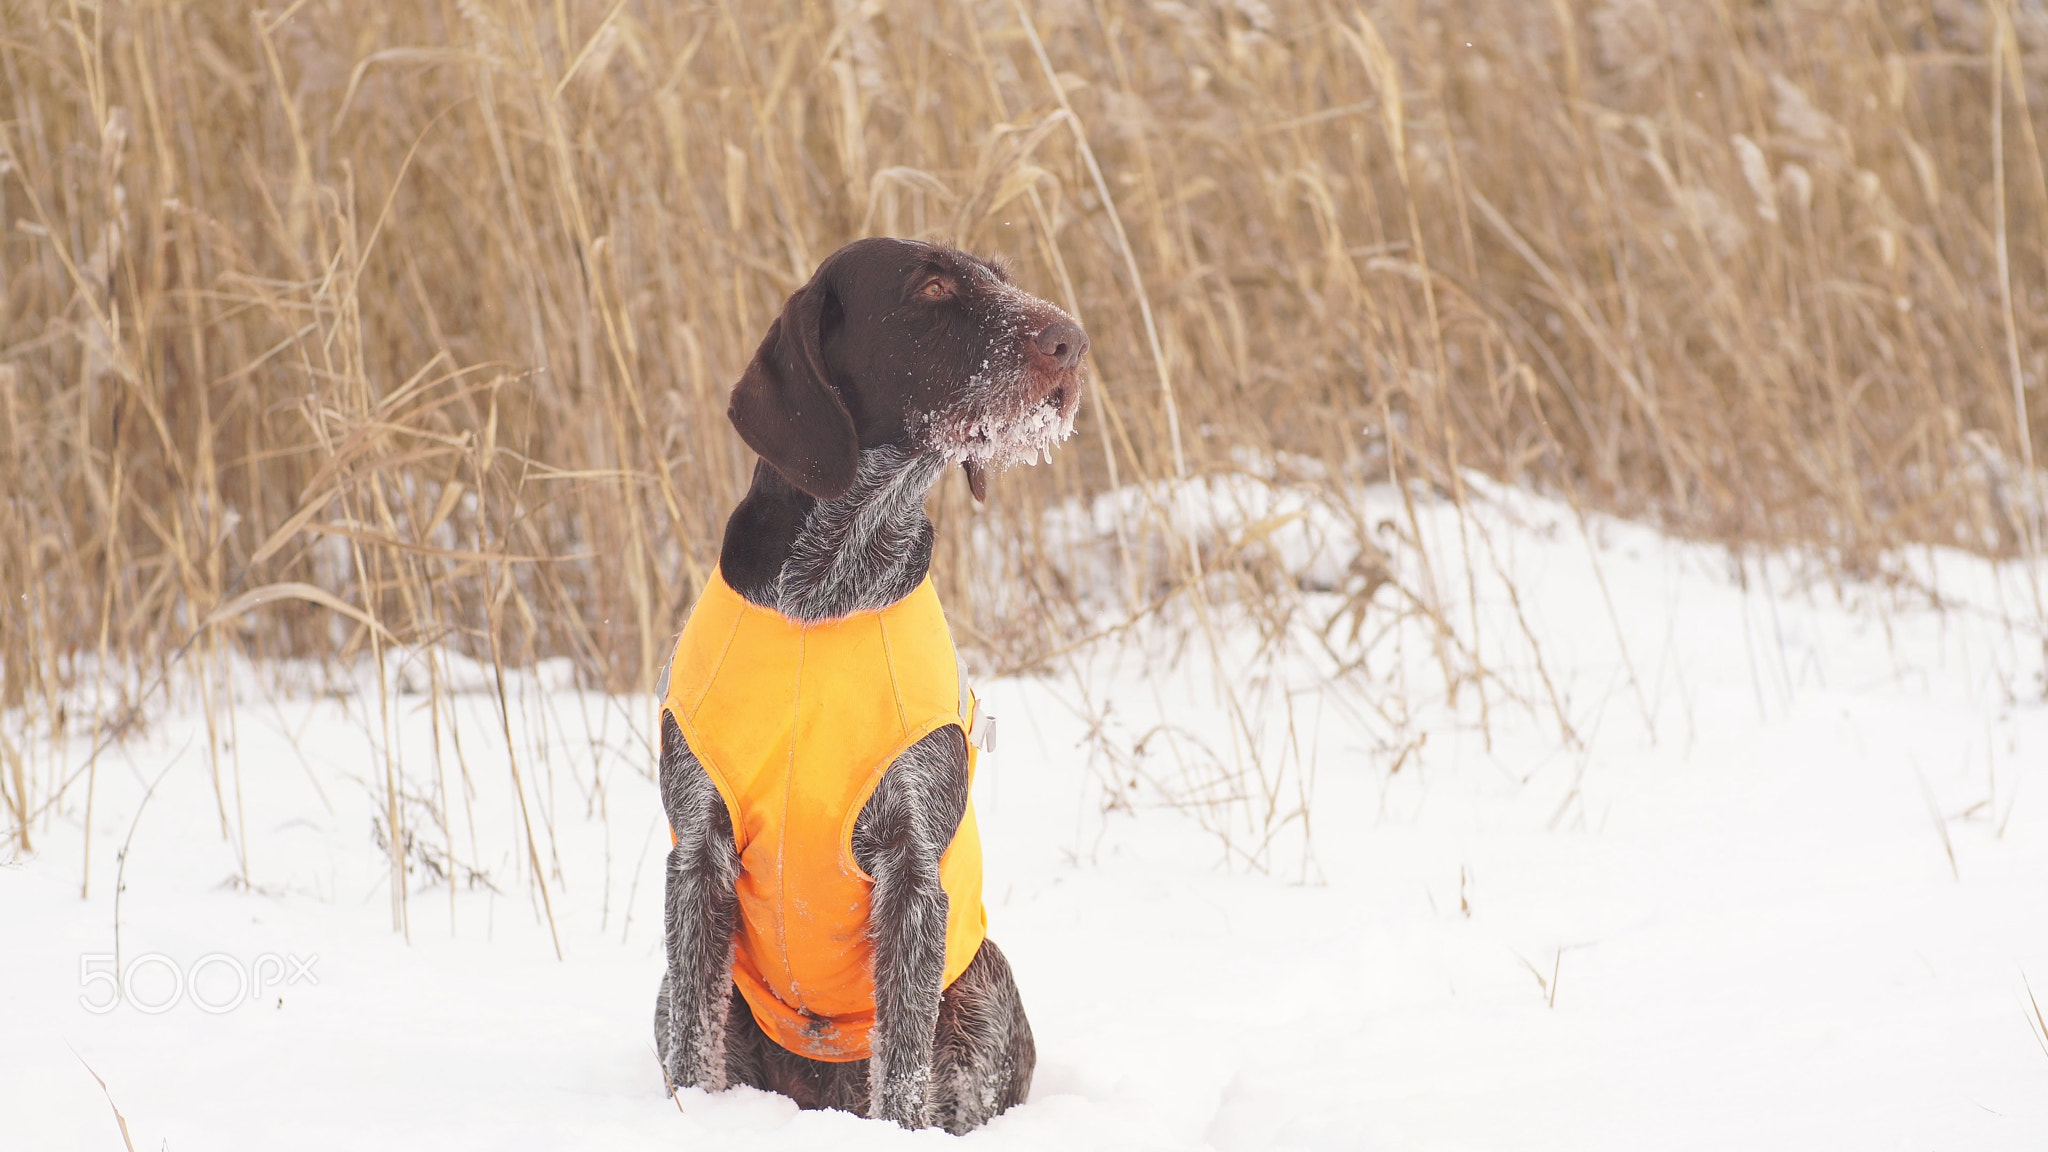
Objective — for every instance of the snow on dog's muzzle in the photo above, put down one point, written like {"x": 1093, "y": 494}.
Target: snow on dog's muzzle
{"x": 1014, "y": 413}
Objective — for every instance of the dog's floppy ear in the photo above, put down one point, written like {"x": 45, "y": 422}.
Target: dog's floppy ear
{"x": 787, "y": 410}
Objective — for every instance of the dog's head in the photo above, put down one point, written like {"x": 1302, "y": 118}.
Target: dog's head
{"x": 897, "y": 342}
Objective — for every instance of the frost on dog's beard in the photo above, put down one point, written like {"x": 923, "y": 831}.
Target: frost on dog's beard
{"x": 997, "y": 426}
{"x": 1014, "y": 408}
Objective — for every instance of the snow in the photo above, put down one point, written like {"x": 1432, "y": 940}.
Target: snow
{"x": 1723, "y": 852}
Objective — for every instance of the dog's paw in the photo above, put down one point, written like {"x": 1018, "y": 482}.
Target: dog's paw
{"x": 904, "y": 1098}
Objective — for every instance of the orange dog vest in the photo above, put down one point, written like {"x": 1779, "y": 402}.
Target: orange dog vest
{"x": 795, "y": 724}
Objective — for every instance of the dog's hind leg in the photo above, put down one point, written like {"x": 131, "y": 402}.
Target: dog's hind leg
{"x": 699, "y": 914}
{"x": 753, "y": 1059}
{"x": 984, "y": 1053}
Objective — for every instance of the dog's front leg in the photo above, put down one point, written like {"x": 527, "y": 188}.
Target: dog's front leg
{"x": 699, "y": 915}
{"x": 898, "y": 839}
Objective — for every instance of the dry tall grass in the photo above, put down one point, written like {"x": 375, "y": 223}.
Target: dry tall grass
{"x": 334, "y": 327}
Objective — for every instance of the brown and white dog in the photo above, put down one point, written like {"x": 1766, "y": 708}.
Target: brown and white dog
{"x": 897, "y": 361}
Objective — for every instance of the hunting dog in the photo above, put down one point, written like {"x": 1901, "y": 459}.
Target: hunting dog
{"x": 897, "y": 361}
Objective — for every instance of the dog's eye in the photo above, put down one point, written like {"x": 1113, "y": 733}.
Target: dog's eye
{"x": 936, "y": 288}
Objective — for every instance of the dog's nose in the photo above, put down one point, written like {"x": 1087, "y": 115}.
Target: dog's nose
{"x": 1064, "y": 342}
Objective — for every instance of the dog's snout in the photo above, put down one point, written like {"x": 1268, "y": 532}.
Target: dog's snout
{"x": 1063, "y": 342}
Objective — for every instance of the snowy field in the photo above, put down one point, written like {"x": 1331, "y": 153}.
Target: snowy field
{"x": 1717, "y": 854}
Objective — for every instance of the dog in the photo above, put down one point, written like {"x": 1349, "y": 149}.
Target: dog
{"x": 897, "y": 361}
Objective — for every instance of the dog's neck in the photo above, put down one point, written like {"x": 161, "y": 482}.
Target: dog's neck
{"x": 813, "y": 559}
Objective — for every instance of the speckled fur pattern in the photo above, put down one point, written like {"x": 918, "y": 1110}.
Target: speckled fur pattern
{"x": 867, "y": 549}
{"x": 898, "y": 839}
{"x": 699, "y": 914}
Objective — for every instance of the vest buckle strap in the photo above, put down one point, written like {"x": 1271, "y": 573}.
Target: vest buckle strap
{"x": 981, "y": 727}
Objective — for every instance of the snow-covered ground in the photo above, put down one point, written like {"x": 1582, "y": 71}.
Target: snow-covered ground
{"x": 1716, "y": 854}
